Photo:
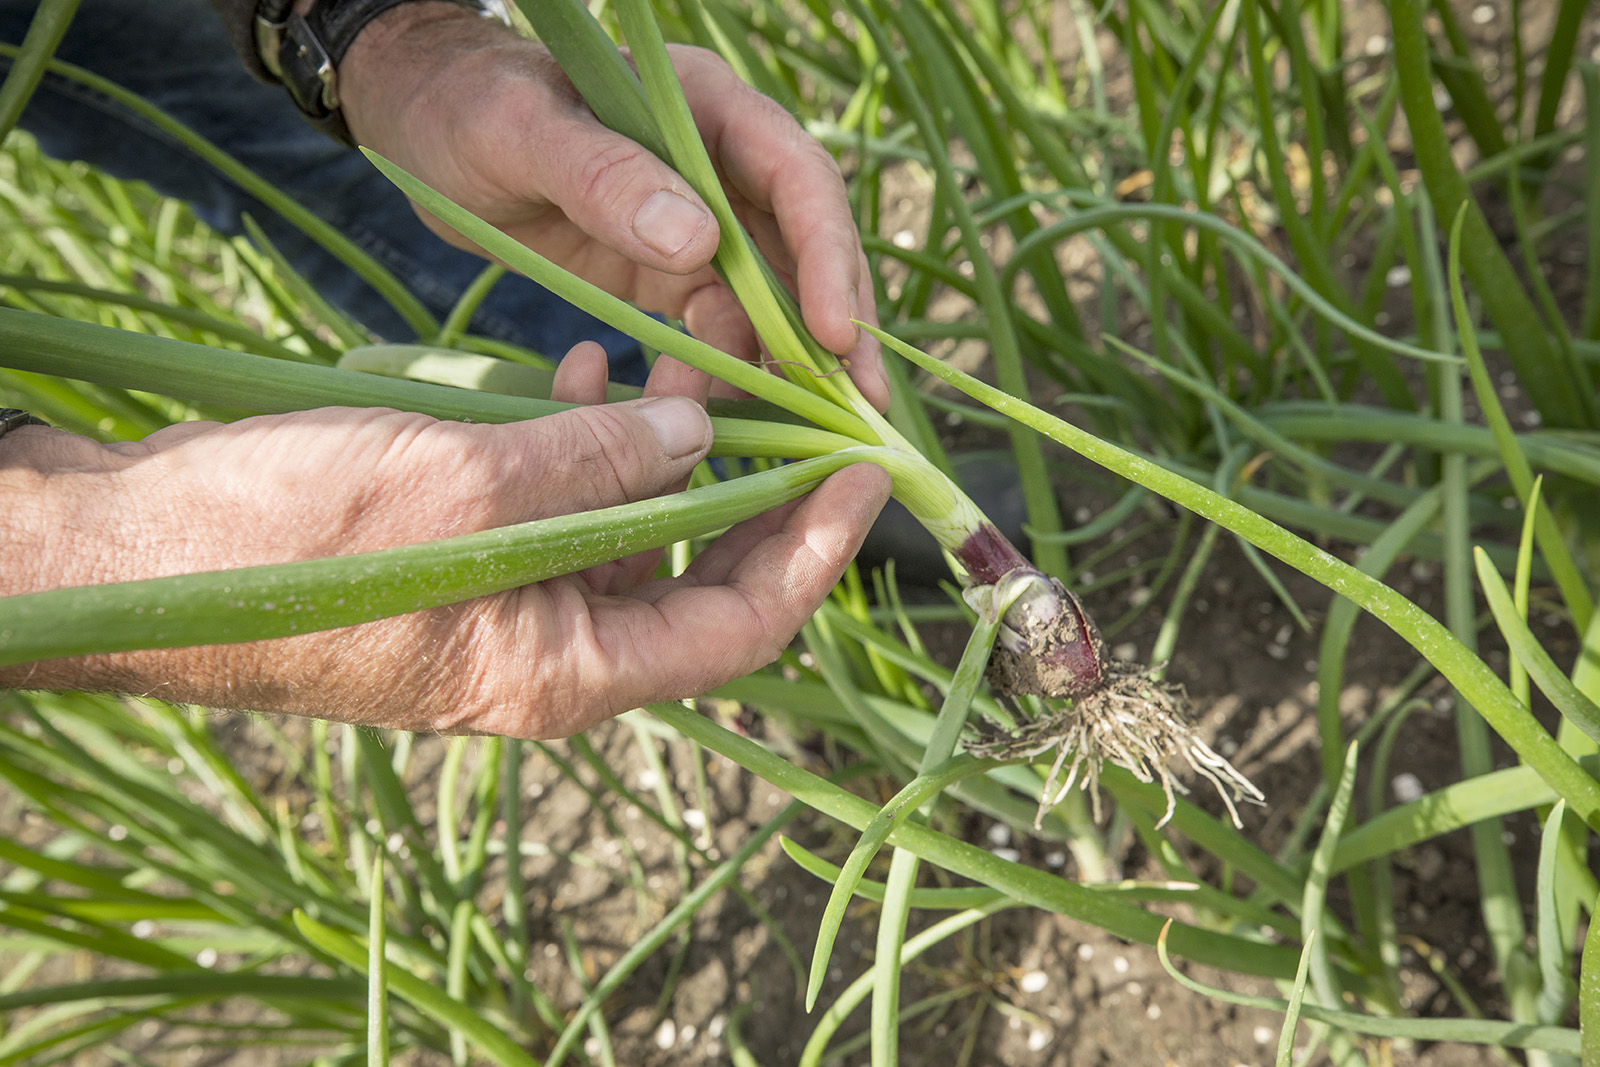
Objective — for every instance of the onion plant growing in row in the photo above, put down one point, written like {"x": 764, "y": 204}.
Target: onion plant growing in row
{"x": 1016, "y": 159}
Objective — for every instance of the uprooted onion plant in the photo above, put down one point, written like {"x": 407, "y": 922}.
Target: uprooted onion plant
{"x": 1049, "y": 658}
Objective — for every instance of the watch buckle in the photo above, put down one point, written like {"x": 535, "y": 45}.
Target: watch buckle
{"x": 310, "y": 56}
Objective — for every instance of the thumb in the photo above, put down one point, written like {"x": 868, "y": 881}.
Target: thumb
{"x": 610, "y": 454}
{"x": 623, "y": 196}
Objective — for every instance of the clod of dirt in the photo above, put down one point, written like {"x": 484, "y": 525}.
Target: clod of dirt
{"x": 1048, "y": 646}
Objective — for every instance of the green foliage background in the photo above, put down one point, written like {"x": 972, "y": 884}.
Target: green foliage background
{"x": 1249, "y": 257}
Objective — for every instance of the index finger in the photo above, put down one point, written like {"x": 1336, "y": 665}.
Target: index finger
{"x": 770, "y": 160}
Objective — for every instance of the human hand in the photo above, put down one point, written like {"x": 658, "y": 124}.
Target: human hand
{"x": 543, "y": 660}
{"x": 488, "y": 119}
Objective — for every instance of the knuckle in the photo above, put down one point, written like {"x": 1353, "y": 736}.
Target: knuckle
{"x": 603, "y": 175}
{"x": 606, "y": 455}
{"x": 693, "y": 55}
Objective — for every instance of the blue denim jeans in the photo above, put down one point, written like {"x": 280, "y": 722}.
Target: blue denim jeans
{"x": 175, "y": 54}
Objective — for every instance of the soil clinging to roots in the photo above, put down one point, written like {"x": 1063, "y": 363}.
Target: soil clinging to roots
{"x": 1049, "y": 652}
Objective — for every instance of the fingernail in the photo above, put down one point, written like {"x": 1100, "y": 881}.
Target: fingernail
{"x": 667, "y": 222}
{"x": 680, "y": 425}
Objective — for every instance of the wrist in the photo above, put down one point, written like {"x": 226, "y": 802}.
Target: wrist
{"x": 399, "y": 59}
{"x": 307, "y": 44}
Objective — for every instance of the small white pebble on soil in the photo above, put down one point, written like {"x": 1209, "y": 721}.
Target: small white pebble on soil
{"x": 1135, "y": 989}
{"x": 905, "y": 239}
{"x": 591, "y": 1046}
{"x": 117, "y": 832}
{"x": 666, "y": 1034}
{"x": 1262, "y": 1034}
{"x": 1377, "y": 43}
{"x": 1153, "y": 1011}
{"x": 1057, "y": 859}
{"x": 142, "y": 929}
{"x": 1407, "y": 787}
{"x": 1398, "y": 277}
{"x": 1120, "y": 965}
{"x": 1010, "y": 854}
{"x": 648, "y": 778}
{"x": 999, "y": 834}
{"x": 206, "y": 957}
{"x": 1086, "y": 953}
{"x": 1038, "y": 1040}
{"x": 174, "y": 765}
{"x": 1126, "y": 650}
{"x": 694, "y": 818}
{"x": 1483, "y": 14}
{"x": 1033, "y": 982}
{"x": 686, "y": 1034}
{"x": 717, "y": 1025}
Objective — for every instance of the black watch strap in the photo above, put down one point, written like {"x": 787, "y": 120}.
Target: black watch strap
{"x": 305, "y": 51}
{"x": 16, "y": 419}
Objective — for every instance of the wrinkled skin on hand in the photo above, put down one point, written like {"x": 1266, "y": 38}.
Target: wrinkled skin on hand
{"x": 544, "y": 660}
